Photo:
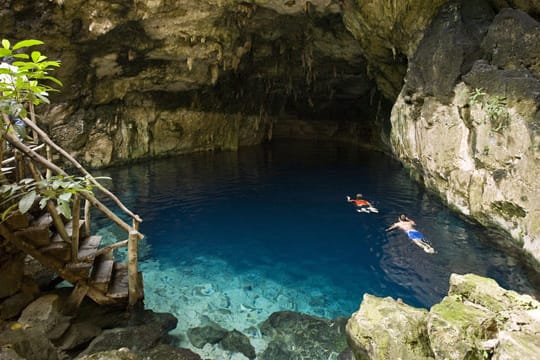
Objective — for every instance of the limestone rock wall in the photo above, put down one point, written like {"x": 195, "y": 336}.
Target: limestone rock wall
{"x": 467, "y": 120}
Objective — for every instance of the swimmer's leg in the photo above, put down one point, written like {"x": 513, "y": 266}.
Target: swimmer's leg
{"x": 428, "y": 249}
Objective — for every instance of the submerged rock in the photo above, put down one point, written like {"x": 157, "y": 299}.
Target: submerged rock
{"x": 235, "y": 341}
{"x": 209, "y": 334}
{"x": 477, "y": 319}
{"x": 295, "y": 336}
{"x": 120, "y": 354}
{"x": 166, "y": 352}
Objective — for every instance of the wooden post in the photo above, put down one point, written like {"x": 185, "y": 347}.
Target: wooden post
{"x": 133, "y": 273}
{"x": 76, "y": 297}
{"x": 87, "y": 226}
{"x": 19, "y": 166}
{"x": 48, "y": 172}
{"x": 76, "y": 214}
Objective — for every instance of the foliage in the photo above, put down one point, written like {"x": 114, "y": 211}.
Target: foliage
{"x": 23, "y": 77}
{"x": 495, "y": 108}
{"x": 23, "y": 195}
{"x": 24, "y": 83}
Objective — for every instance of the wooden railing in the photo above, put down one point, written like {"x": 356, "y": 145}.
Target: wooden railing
{"x": 28, "y": 157}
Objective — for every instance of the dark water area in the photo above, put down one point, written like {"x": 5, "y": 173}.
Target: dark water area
{"x": 276, "y": 214}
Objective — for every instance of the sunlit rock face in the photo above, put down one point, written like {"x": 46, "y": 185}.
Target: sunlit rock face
{"x": 467, "y": 120}
{"x": 151, "y": 78}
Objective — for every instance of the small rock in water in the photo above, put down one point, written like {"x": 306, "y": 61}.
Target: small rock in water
{"x": 205, "y": 289}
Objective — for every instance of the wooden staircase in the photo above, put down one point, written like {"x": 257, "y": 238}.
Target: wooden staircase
{"x": 67, "y": 246}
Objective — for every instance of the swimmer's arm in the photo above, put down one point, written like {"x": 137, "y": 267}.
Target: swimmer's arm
{"x": 392, "y": 227}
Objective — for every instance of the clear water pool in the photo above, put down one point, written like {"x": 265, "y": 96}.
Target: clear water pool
{"x": 233, "y": 237}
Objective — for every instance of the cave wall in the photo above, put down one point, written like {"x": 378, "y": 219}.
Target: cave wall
{"x": 154, "y": 78}
{"x": 466, "y": 122}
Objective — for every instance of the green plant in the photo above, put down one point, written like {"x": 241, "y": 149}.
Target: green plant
{"x": 22, "y": 77}
{"x": 495, "y": 108}
{"x": 23, "y": 195}
{"x": 24, "y": 83}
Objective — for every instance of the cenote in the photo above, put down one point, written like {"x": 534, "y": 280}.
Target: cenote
{"x": 233, "y": 236}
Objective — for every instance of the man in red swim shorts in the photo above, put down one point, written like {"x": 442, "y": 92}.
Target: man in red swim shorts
{"x": 362, "y": 205}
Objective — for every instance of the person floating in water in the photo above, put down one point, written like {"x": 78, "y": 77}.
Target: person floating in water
{"x": 362, "y": 205}
{"x": 407, "y": 225}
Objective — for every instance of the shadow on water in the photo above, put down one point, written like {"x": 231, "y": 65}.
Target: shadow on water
{"x": 276, "y": 215}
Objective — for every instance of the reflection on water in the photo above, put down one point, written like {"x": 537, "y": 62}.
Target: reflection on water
{"x": 277, "y": 215}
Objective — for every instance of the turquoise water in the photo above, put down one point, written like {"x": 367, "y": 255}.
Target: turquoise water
{"x": 232, "y": 237}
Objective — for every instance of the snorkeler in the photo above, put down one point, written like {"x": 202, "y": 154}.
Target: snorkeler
{"x": 362, "y": 205}
{"x": 407, "y": 225}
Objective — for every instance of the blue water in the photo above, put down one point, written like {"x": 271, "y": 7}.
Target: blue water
{"x": 276, "y": 214}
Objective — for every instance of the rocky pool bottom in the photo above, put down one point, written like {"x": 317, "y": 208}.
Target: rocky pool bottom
{"x": 476, "y": 320}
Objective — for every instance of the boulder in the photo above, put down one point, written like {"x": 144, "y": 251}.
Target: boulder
{"x": 120, "y": 354}
{"x": 135, "y": 337}
{"x": 28, "y": 342}
{"x": 208, "y": 334}
{"x": 295, "y": 336}
{"x": 167, "y": 352}
{"x": 11, "y": 273}
{"x": 384, "y": 328}
{"x": 478, "y": 319}
{"x": 12, "y": 306}
{"x": 235, "y": 341}
{"x": 8, "y": 353}
{"x": 45, "y": 313}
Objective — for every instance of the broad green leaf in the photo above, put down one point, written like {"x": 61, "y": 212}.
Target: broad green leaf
{"x": 64, "y": 209}
{"x": 5, "y": 52}
{"x": 37, "y": 57}
{"x": 5, "y": 43}
{"x": 21, "y": 56}
{"x": 43, "y": 202}
{"x": 27, "y": 43}
{"x": 65, "y": 196}
{"x": 53, "y": 79}
{"x": 27, "y": 201}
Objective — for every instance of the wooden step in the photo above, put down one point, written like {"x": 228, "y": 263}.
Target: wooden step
{"x": 118, "y": 287}
{"x": 102, "y": 273}
{"x": 69, "y": 230}
{"x": 88, "y": 247}
{"x": 80, "y": 269}
{"x": 18, "y": 221}
{"x": 38, "y": 233}
{"x": 59, "y": 249}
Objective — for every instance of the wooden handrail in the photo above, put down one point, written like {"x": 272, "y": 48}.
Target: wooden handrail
{"x": 47, "y": 140}
{"x": 106, "y": 249}
{"x": 37, "y": 164}
{"x": 49, "y": 165}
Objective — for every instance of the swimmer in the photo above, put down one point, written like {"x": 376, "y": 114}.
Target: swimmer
{"x": 362, "y": 205}
{"x": 407, "y": 225}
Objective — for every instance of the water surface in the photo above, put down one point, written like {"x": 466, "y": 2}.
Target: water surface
{"x": 232, "y": 237}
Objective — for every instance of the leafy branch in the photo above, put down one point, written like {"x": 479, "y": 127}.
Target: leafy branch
{"x": 23, "y": 195}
